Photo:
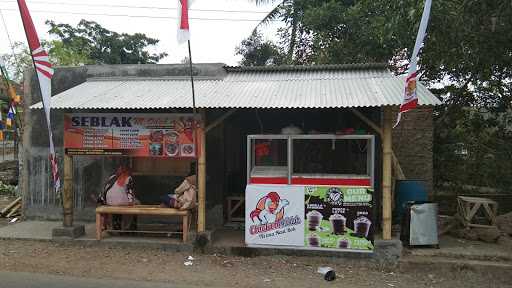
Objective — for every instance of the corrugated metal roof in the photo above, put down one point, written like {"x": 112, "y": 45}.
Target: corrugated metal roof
{"x": 327, "y": 87}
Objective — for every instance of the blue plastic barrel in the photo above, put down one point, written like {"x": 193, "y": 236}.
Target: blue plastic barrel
{"x": 408, "y": 190}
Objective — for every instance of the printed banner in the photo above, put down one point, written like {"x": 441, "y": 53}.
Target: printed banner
{"x": 274, "y": 215}
{"x": 137, "y": 135}
{"x": 338, "y": 217}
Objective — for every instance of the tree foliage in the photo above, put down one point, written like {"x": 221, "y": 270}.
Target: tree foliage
{"x": 87, "y": 43}
{"x": 257, "y": 52}
{"x": 466, "y": 60}
{"x": 92, "y": 43}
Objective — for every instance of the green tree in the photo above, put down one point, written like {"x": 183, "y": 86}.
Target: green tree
{"x": 467, "y": 58}
{"x": 290, "y": 13}
{"x": 92, "y": 43}
{"x": 18, "y": 62}
{"x": 257, "y": 52}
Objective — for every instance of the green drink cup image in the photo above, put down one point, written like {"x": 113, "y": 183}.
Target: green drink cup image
{"x": 314, "y": 218}
{"x": 338, "y": 222}
{"x": 313, "y": 240}
{"x": 362, "y": 226}
{"x": 343, "y": 243}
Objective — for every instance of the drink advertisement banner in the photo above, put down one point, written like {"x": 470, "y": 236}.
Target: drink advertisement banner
{"x": 274, "y": 215}
{"x": 338, "y": 217}
{"x": 138, "y": 135}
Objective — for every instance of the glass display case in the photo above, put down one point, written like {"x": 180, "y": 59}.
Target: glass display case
{"x": 325, "y": 159}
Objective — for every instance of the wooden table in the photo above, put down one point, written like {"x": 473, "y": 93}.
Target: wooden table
{"x": 154, "y": 210}
{"x": 468, "y": 207}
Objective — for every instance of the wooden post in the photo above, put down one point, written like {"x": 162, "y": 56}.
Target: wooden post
{"x": 67, "y": 193}
{"x": 386, "y": 173}
{"x": 201, "y": 216}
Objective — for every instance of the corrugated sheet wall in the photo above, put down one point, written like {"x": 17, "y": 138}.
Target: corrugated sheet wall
{"x": 40, "y": 191}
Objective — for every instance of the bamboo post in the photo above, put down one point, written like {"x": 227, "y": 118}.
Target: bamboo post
{"x": 67, "y": 193}
{"x": 386, "y": 173}
{"x": 201, "y": 217}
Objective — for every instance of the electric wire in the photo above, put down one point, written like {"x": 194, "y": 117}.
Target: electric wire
{"x": 140, "y": 7}
{"x": 134, "y": 16}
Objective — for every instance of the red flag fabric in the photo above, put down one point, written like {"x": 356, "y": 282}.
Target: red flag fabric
{"x": 410, "y": 99}
{"x": 183, "y": 20}
{"x": 44, "y": 74}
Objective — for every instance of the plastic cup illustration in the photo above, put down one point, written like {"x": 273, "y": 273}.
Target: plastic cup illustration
{"x": 314, "y": 218}
{"x": 338, "y": 224}
{"x": 343, "y": 243}
{"x": 313, "y": 240}
{"x": 362, "y": 226}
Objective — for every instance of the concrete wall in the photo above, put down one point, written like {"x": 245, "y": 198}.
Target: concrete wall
{"x": 413, "y": 144}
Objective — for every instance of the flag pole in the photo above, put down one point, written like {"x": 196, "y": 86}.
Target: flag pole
{"x": 194, "y": 110}
{"x": 192, "y": 78}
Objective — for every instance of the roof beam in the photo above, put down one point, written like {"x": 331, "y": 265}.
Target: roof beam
{"x": 219, "y": 120}
{"x": 396, "y": 165}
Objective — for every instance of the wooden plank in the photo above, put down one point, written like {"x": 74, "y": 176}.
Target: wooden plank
{"x": 185, "y": 228}
{"x": 138, "y": 210}
{"x": 490, "y": 213}
{"x": 151, "y": 166}
{"x": 99, "y": 226}
{"x": 10, "y": 206}
{"x": 67, "y": 192}
{"x": 386, "y": 174}
{"x": 219, "y": 120}
{"x": 473, "y": 211}
{"x": 14, "y": 210}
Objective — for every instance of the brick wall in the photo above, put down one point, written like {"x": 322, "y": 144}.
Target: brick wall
{"x": 413, "y": 143}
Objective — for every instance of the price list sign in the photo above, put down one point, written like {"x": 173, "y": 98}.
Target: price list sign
{"x": 142, "y": 135}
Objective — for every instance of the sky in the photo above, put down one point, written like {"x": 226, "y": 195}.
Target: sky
{"x": 212, "y": 40}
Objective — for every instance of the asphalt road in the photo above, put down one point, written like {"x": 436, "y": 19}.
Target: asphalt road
{"x": 34, "y": 280}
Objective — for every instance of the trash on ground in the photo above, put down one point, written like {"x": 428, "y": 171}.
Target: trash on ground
{"x": 328, "y": 272}
{"x": 188, "y": 263}
{"x": 190, "y": 258}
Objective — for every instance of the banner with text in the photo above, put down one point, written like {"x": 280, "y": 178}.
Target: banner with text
{"x": 274, "y": 215}
{"x": 338, "y": 217}
{"x": 138, "y": 135}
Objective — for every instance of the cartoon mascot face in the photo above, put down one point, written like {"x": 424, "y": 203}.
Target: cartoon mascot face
{"x": 269, "y": 209}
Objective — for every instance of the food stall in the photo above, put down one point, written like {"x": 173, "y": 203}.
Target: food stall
{"x": 310, "y": 191}
{"x": 155, "y": 144}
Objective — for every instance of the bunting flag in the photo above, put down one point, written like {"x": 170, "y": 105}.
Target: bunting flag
{"x": 5, "y": 77}
{"x": 410, "y": 100}
{"x": 44, "y": 73}
{"x": 183, "y": 23}
{"x": 11, "y": 114}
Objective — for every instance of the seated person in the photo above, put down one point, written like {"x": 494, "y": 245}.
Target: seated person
{"x": 119, "y": 191}
{"x": 184, "y": 197}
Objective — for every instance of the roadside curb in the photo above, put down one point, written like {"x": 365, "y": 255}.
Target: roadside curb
{"x": 454, "y": 263}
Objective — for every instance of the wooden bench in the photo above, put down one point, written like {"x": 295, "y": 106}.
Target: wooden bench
{"x": 469, "y": 206}
{"x": 154, "y": 210}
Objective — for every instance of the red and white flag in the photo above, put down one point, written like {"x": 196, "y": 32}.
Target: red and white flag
{"x": 44, "y": 73}
{"x": 410, "y": 100}
{"x": 183, "y": 23}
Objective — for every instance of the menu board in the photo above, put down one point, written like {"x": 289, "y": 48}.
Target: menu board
{"x": 138, "y": 135}
{"x": 338, "y": 217}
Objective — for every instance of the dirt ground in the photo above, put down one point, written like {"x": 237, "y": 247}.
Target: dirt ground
{"x": 94, "y": 261}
